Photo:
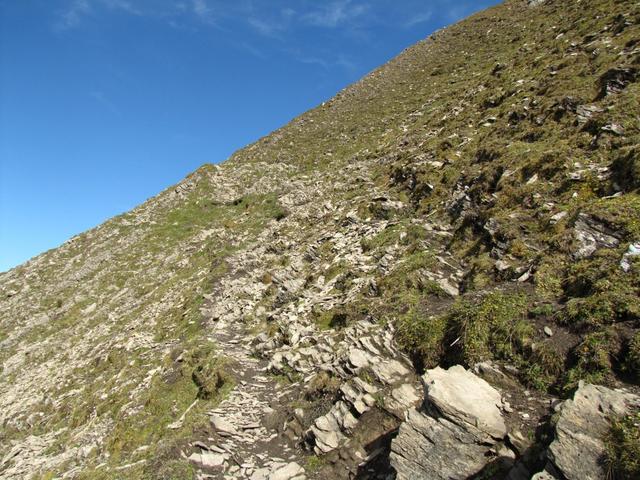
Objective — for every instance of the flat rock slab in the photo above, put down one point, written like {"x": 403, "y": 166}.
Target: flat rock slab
{"x": 584, "y": 421}
{"x": 222, "y": 426}
{"x": 289, "y": 471}
{"x": 208, "y": 459}
{"x": 463, "y": 397}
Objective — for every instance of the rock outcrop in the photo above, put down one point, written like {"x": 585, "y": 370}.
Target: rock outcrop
{"x": 455, "y": 432}
{"x": 578, "y": 449}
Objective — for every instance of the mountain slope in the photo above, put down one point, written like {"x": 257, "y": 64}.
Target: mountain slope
{"x": 445, "y": 209}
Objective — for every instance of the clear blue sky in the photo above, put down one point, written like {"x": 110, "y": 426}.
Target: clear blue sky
{"x": 104, "y": 103}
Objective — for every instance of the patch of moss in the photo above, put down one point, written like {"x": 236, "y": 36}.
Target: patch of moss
{"x": 207, "y": 370}
{"x": 322, "y": 384}
{"x": 625, "y": 170}
{"x": 591, "y": 360}
{"x": 422, "y": 336}
{"x": 548, "y": 278}
{"x": 619, "y": 212}
{"x": 623, "y": 448}
{"x": 410, "y": 276}
{"x": 542, "y": 367}
{"x": 632, "y": 357}
{"x": 600, "y": 292}
{"x": 495, "y": 327}
{"x": 402, "y": 233}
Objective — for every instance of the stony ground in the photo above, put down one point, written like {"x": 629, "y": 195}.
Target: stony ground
{"x": 310, "y": 307}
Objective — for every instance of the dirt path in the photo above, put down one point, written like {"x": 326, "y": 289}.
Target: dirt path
{"x": 246, "y": 444}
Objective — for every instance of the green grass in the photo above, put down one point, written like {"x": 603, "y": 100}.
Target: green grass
{"x": 632, "y": 357}
{"x": 201, "y": 375}
{"x": 592, "y": 360}
{"x": 429, "y": 104}
{"x": 495, "y": 327}
{"x": 623, "y": 448}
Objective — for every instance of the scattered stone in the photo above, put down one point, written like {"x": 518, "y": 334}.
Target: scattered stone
{"x": 277, "y": 276}
{"x": 548, "y": 332}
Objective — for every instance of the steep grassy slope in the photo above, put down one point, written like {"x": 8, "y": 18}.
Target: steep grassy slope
{"x": 509, "y": 127}
{"x": 502, "y": 151}
{"x": 86, "y": 327}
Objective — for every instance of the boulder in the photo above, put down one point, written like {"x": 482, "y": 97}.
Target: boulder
{"x": 453, "y": 435}
{"x": 466, "y": 399}
{"x": 430, "y": 448}
{"x": 584, "y": 421}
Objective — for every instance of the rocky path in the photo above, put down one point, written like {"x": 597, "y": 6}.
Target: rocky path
{"x": 246, "y": 444}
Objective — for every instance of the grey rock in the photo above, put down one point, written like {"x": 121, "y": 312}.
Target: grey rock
{"x": 390, "y": 371}
{"x": 466, "y": 399}
{"x": 405, "y": 395}
{"x": 615, "y": 80}
{"x": 208, "y": 459}
{"x": 358, "y": 359}
{"x": 584, "y": 420}
{"x": 452, "y": 437}
{"x": 502, "y": 266}
{"x": 549, "y": 473}
{"x": 287, "y": 472}
{"x": 222, "y": 426}
{"x": 557, "y": 217}
{"x": 614, "y": 128}
{"x": 519, "y": 442}
{"x": 435, "y": 449}
{"x": 325, "y": 441}
{"x": 450, "y": 289}
{"x": 543, "y": 476}
{"x": 591, "y": 235}
{"x": 585, "y": 112}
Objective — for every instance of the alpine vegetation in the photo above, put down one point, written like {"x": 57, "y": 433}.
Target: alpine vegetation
{"x": 433, "y": 275}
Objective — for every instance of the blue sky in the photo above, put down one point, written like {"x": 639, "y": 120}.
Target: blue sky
{"x": 104, "y": 103}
